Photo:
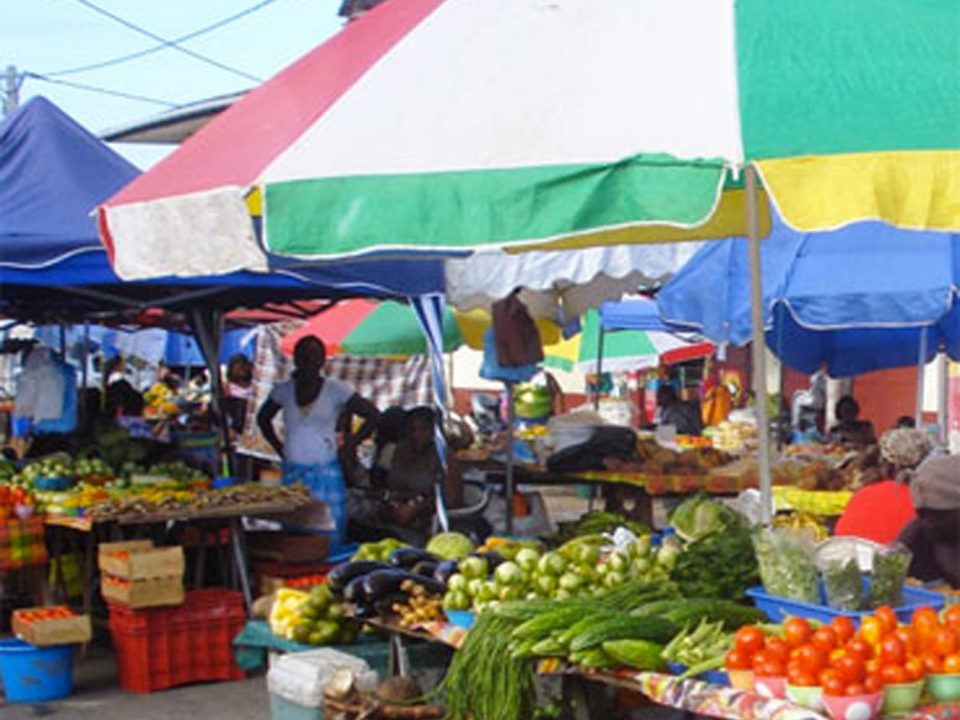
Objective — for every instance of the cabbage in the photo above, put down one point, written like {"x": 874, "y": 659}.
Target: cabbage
{"x": 450, "y": 546}
{"x": 699, "y": 516}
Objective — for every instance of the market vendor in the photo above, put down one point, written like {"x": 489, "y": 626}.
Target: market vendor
{"x": 684, "y": 416}
{"x": 312, "y": 405}
{"x": 850, "y": 429}
{"x": 880, "y": 510}
{"x": 934, "y": 536}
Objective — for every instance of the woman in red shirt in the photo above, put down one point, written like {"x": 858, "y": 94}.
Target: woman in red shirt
{"x": 880, "y": 510}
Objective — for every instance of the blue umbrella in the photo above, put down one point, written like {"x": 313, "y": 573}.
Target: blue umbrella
{"x": 861, "y": 298}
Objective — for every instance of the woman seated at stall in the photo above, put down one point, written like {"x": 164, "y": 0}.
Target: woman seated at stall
{"x": 934, "y": 536}
{"x": 880, "y": 510}
{"x": 850, "y": 429}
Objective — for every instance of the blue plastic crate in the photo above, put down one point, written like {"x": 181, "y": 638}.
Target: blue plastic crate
{"x": 777, "y": 608}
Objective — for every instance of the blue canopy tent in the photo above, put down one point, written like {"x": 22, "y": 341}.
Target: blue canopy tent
{"x": 53, "y": 173}
{"x": 861, "y": 298}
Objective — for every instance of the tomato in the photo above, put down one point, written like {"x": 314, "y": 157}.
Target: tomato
{"x": 932, "y": 663}
{"x": 951, "y": 617}
{"x": 887, "y": 619}
{"x": 892, "y": 651}
{"x": 837, "y": 654}
{"x": 909, "y": 637}
{"x": 758, "y": 660}
{"x": 944, "y": 641}
{"x": 860, "y": 647}
{"x": 843, "y": 627}
{"x": 925, "y": 622}
{"x": 803, "y": 679}
{"x": 771, "y": 668}
{"x": 737, "y": 660}
{"x": 852, "y": 668}
{"x": 824, "y": 638}
{"x": 951, "y": 664}
{"x": 828, "y": 674}
{"x": 777, "y": 649}
{"x": 749, "y": 639}
{"x": 915, "y": 668}
{"x": 871, "y": 631}
{"x": 794, "y": 674}
{"x": 811, "y": 659}
{"x": 873, "y": 683}
{"x": 854, "y": 689}
{"x": 797, "y": 632}
{"x": 834, "y": 686}
{"x": 894, "y": 675}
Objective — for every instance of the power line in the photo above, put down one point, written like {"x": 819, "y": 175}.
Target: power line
{"x": 164, "y": 45}
{"x": 167, "y": 43}
{"x": 102, "y": 91}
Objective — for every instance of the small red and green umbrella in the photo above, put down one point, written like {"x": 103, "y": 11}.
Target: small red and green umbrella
{"x": 370, "y": 328}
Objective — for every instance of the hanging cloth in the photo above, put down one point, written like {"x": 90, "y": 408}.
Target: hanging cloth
{"x": 517, "y": 337}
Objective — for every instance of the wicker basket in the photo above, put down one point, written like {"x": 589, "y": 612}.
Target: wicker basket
{"x": 371, "y": 710}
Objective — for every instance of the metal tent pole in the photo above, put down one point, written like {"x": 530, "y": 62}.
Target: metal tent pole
{"x": 511, "y": 422}
{"x": 759, "y": 349}
{"x": 596, "y": 385}
{"x": 921, "y": 366}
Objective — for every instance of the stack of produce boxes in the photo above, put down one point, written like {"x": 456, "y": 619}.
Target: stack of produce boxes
{"x": 139, "y": 575}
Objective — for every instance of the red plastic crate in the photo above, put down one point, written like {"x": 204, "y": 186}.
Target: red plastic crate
{"x": 159, "y": 648}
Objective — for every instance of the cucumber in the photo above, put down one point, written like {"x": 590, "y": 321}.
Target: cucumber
{"x": 541, "y": 626}
{"x": 637, "y": 654}
{"x": 625, "y": 627}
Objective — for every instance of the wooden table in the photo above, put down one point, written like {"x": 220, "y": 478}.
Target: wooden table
{"x": 83, "y": 533}
{"x": 639, "y": 496}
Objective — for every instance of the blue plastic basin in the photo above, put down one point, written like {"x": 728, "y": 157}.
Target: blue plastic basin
{"x": 35, "y": 674}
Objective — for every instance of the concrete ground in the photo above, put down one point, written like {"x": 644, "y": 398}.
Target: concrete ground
{"x": 97, "y": 694}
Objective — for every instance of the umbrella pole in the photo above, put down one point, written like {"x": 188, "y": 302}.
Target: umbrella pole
{"x": 943, "y": 405}
{"x": 759, "y": 349}
{"x": 511, "y": 421}
{"x": 596, "y": 384}
{"x": 921, "y": 365}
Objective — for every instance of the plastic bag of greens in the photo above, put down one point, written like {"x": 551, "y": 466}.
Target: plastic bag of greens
{"x": 842, "y": 580}
{"x": 787, "y": 568}
{"x": 890, "y": 565}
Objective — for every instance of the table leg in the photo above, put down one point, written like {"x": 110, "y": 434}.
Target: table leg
{"x": 397, "y": 665}
{"x": 239, "y": 556}
{"x": 582, "y": 700}
{"x": 88, "y": 569}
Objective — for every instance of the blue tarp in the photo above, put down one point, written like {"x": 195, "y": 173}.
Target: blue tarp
{"x": 633, "y": 314}
{"x": 53, "y": 173}
{"x": 857, "y": 299}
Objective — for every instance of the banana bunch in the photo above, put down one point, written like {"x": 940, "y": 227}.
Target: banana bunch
{"x": 803, "y": 521}
{"x": 285, "y": 614}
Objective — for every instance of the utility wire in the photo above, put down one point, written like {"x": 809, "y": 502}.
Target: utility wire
{"x": 164, "y": 45}
{"x": 102, "y": 91}
{"x": 167, "y": 43}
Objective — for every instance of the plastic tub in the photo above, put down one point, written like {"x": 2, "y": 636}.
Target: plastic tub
{"x": 35, "y": 674}
{"x": 283, "y": 709}
{"x": 54, "y": 484}
{"x": 778, "y": 608}
{"x": 460, "y": 618}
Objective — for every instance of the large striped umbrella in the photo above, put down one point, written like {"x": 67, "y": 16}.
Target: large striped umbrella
{"x": 370, "y": 328}
{"x": 623, "y": 350}
{"x": 446, "y": 125}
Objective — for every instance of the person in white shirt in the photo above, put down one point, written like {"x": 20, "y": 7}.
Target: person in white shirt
{"x": 312, "y": 406}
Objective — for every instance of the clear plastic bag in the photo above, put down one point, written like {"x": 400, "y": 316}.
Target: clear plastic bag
{"x": 786, "y": 562}
{"x": 842, "y": 579}
{"x": 890, "y": 565}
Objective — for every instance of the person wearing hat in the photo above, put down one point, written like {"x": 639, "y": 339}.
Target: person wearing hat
{"x": 934, "y": 536}
{"x": 880, "y": 510}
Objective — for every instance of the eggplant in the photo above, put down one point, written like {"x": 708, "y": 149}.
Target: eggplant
{"x": 341, "y": 575}
{"x": 425, "y": 568}
{"x": 355, "y": 591}
{"x": 407, "y": 557}
{"x": 381, "y": 583}
{"x": 444, "y": 570}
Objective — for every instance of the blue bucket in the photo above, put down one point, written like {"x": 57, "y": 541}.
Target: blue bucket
{"x": 34, "y": 674}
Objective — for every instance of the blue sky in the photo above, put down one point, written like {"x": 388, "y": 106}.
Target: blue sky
{"x": 46, "y": 36}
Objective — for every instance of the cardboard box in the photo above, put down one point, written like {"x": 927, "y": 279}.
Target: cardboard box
{"x": 140, "y": 560}
{"x": 30, "y": 625}
{"x": 149, "y": 592}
